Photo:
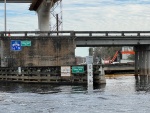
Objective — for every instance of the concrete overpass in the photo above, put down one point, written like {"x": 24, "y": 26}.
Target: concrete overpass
{"x": 63, "y": 41}
{"x": 16, "y": 1}
{"x": 42, "y": 7}
{"x": 88, "y": 38}
{"x": 139, "y": 39}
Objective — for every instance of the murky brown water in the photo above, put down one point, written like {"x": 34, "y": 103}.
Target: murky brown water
{"x": 121, "y": 94}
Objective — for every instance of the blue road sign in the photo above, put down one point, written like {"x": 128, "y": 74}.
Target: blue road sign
{"x": 15, "y": 45}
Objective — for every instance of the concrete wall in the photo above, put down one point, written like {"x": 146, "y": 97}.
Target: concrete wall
{"x": 42, "y": 52}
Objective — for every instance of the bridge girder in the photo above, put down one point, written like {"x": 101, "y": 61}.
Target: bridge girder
{"x": 16, "y": 1}
{"x": 36, "y": 3}
{"x": 112, "y": 42}
{"x": 87, "y": 38}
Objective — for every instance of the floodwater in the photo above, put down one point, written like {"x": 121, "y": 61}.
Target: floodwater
{"x": 121, "y": 94}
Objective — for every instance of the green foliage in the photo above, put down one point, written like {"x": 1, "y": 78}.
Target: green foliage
{"x": 106, "y": 52}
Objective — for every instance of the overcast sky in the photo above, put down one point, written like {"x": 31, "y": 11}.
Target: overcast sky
{"x": 96, "y": 15}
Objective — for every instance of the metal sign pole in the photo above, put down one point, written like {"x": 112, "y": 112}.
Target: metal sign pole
{"x": 89, "y": 61}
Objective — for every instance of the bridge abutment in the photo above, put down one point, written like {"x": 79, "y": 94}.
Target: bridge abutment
{"x": 42, "y": 52}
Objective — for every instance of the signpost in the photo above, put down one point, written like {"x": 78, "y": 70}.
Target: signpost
{"x": 26, "y": 43}
{"x": 16, "y": 45}
{"x": 89, "y": 61}
{"x": 77, "y": 69}
{"x": 90, "y": 74}
{"x": 65, "y": 71}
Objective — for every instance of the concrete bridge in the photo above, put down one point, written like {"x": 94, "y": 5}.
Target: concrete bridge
{"x": 87, "y": 38}
{"x": 42, "y": 7}
{"x": 16, "y": 1}
{"x": 64, "y": 42}
{"x": 69, "y": 40}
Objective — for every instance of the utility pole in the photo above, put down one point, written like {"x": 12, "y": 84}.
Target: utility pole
{"x": 57, "y": 24}
{"x": 5, "y": 16}
{"x": 1, "y": 42}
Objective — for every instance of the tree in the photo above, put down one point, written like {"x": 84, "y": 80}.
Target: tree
{"x": 106, "y": 52}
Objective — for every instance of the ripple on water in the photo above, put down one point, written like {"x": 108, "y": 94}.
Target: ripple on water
{"x": 117, "y": 96}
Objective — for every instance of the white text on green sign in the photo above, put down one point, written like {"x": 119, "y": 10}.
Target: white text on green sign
{"x": 26, "y": 43}
{"x": 77, "y": 69}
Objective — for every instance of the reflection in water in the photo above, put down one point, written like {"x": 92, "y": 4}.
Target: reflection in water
{"x": 118, "y": 95}
{"x": 101, "y": 86}
{"x": 44, "y": 88}
{"x": 31, "y": 88}
{"x": 142, "y": 83}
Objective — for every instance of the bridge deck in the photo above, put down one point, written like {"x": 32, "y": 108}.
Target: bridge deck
{"x": 86, "y": 38}
{"x": 16, "y": 1}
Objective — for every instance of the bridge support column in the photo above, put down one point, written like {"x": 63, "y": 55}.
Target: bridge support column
{"x": 148, "y": 60}
{"x": 144, "y": 61}
{"x": 136, "y": 60}
{"x": 137, "y": 66}
{"x": 43, "y": 12}
{"x": 140, "y": 60}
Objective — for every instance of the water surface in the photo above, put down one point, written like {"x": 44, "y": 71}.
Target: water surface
{"x": 120, "y": 95}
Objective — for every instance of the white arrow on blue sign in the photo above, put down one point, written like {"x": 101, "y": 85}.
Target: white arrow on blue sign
{"x": 15, "y": 45}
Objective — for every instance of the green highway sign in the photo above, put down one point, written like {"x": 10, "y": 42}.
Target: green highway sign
{"x": 26, "y": 43}
{"x": 77, "y": 69}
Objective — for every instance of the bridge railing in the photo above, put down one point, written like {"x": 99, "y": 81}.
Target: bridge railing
{"x": 112, "y": 33}
{"x": 16, "y": 1}
{"x": 36, "y": 33}
{"x": 76, "y": 33}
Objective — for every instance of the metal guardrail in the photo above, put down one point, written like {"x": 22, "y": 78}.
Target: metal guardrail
{"x": 35, "y": 33}
{"x": 77, "y": 34}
